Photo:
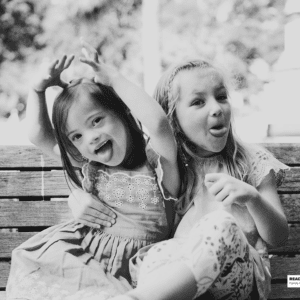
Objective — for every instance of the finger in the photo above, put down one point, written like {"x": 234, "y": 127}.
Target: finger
{"x": 88, "y": 47}
{"x": 69, "y": 61}
{"x": 228, "y": 200}
{"x": 89, "y": 62}
{"x": 222, "y": 195}
{"x": 212, "y": 177}
{"x": 95, "y": 221}
{"x": 61, "y": 62}
{"x": 101, "y": 216}
{"x": 93, "y": 52}
{"x": 99, "y": 207}
{"x": 88, "y": 223}
{"x": 51, "y": 67}
{"x": 85, "y": 53}
{"x": 53, "y": 64}
{"x": 215, "y": 187}
{"x": 96, "y": 57}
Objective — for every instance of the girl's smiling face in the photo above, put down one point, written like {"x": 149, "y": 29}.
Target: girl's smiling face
{"x": 202, "y": 109}
{"x": 97, "y": 132}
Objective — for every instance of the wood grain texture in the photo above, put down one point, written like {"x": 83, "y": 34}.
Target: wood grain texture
{"x": 33, "y": 213}
{"x": 11, "y": 240}
{"x": 53, "y": 183}
{"x": 39, "y": 182}
{"x": 24, "y": 156}
{"x": 281, "y": 266}
{"x": 281, "y": 291}
{"x": 291, "y": 184}
{"x": 293, "y": 243}
{"x": 33, "y": 183}
{"x": 21, "y": 156}
{"x": 4, "y": 272}
{"x": 288, "y": 153}
{"x": 291, "y": 206}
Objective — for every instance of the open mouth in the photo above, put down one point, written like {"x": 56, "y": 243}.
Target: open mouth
{"x": 103, "y": 147}
{"x": 218, "y": 131}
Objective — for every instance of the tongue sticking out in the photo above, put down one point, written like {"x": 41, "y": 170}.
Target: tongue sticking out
{"x": 218, "y": 131}
{"x": 105, "y": 151}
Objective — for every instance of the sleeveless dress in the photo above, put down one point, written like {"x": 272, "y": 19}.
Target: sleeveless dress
{"x": 73, "y": 261}
{"x": 223, "y": 249}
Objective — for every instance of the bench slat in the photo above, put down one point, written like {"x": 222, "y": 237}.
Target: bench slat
{"x": 293, "y": 245}
{"x": 25, "y": 157}
{"x": 30, "y": 156}
{"x": 33, "y": 213}
{"x": 291, "y": 206}
{"x": 4, "y": 272}
{"x": 11, "y": 240}
{"x": 281, "y": 291}
{"x": 291, "y": 182}
{"x": 281, "y": 266}
{"x": 288, "y": 153}
{"x": 18, "y": 184}
{"x": 34, "y": 183}
{"x": 15, "y": 213}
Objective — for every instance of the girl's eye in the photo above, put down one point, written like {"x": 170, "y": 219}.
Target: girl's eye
{"x": 197, "y": 102}
{"x": 76, "y": 137}
{"x": 96, "y": 121}
{"x": 222, "y": 98}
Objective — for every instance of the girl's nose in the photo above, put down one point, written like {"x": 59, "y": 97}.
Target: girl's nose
{"x": 93, "y": 137}
{"x": 215, "y": 108}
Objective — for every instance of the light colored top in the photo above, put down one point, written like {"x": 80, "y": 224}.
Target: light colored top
{"x": 262, "y": 163}
{"x": 137, "y": 197}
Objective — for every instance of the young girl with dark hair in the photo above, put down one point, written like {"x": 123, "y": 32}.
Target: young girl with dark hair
{"x": 96, "y": 130}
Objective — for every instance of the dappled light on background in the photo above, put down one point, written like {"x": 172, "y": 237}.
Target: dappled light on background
{"x": 254, "y": 40}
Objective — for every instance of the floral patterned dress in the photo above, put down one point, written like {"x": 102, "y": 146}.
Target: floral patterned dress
{"x": 73, "y": 261}
{"x": 222, "y": 248}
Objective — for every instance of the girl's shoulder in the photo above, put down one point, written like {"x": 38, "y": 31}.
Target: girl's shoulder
{"x": 262, "y": 162}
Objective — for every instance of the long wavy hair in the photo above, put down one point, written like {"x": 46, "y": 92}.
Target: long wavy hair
{"x": 235, "y": 154}
{"x": 108, "y": 99}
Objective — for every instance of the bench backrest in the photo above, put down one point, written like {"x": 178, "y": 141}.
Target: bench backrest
{"x": 33, "y": 192}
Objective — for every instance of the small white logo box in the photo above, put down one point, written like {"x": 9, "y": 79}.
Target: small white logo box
{"x": 293, "y": 281}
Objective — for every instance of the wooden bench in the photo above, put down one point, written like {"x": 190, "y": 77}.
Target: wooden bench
{"x": 33, "y": 194}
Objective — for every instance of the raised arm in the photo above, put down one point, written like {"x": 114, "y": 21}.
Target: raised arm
{"x": 39, "y": 127}
{"x": 145, "y": 109}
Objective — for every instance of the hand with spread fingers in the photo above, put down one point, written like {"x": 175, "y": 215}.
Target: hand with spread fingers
{"x": 88, "y": 210}
{"x": 104, "y": 74}
{"x": 52, "y": 74}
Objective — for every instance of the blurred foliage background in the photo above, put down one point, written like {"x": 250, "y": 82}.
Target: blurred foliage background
{"x": 246, "y": 35}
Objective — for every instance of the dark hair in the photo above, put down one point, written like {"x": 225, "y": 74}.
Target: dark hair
{"x": 234, "y": 154}
{"x": 107, "y": 98}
